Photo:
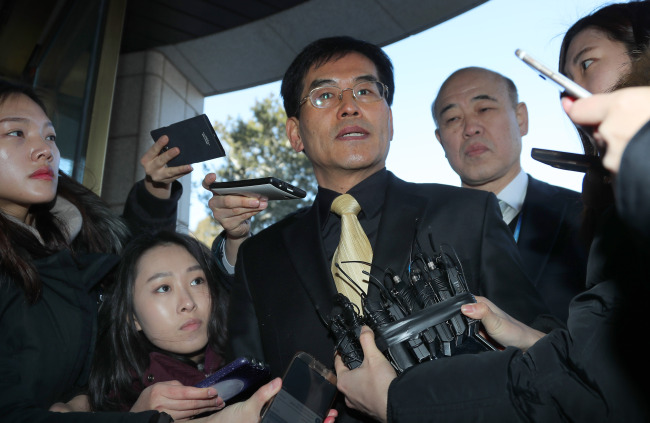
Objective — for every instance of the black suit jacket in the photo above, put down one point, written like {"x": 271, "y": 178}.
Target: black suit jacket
{"x": 283, "y": 280}
{"x": 595, "y": 370}
{"x": 554, "y": 257}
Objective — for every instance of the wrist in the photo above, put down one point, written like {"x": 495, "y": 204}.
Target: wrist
{"x": 161, "y": 417}
{"x": 158, "y": 189}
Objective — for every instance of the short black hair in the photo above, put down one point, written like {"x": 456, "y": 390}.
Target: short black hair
{"x": 322, "y": 51}
{"x": 627, "y": 23}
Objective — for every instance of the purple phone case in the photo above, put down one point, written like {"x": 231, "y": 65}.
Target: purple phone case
{"x": 236, "y": 377}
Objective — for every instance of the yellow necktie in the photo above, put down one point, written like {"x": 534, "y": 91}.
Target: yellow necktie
{"x": 353, "y": 246}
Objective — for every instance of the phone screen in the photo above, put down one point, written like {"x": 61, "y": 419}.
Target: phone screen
{"x": 305, "y": 397}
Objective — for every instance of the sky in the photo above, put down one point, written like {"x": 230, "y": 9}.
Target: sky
{"x": 486, "y": 36}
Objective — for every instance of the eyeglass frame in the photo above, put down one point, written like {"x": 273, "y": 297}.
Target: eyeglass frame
{"x": 342, "y": 90}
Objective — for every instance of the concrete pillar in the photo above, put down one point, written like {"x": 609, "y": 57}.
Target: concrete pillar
{"x": 149, "y": 93}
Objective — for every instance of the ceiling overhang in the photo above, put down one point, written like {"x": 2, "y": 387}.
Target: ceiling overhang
{"x": 259, "y": 52}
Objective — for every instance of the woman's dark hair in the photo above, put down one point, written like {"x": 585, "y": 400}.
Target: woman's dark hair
{"x": 322, "y": 51}
{"x": 627, "y": 23}
{"x": 102, "y": 231}
{"x": 123, "y": 355}
{"x": 8, "y": 89}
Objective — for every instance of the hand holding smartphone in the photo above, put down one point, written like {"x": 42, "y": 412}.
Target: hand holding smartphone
{"x": 308, "y": 390}
{"x": 271, "y": 188}
{"x": 237, "y": 377}
{"x": 561, "y": 159}
{"x": 196, "y": 139}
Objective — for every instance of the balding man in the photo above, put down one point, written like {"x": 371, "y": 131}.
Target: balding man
{"x": 480, "y": 123}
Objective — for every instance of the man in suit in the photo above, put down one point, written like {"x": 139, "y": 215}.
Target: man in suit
{"x": 480, "y": 123}
{"x": 337, "y": 95}
{"x": 591, "y": 371}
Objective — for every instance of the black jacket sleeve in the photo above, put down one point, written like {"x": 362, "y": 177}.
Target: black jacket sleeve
{"x": 633, "y": 183}
{"x": 145, "y": 213}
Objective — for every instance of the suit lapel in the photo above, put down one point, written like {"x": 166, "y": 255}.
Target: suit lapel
{"x": 304, "y": 244}
{"x": 400, "y": 221}
{"x": 542, "y": 217}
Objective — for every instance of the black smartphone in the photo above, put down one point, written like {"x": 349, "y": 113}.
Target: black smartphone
{"x": 308, "y": 390}
{"x": 237, "y": 377}
{"x": 567, "y": 161}
{"x": 272, "y": 188}
{"x": 570, "y": 87}
{"x": 196, "y": 139}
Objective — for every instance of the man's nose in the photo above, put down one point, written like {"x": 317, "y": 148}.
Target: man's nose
{"x": 472, "y": 127}
{"x": 349, "y": 105}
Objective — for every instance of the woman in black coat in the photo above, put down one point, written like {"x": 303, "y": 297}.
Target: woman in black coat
{"x": 58, "y": 244}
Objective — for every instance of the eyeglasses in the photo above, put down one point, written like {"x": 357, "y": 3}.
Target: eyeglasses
{"x": 363, "y": 92}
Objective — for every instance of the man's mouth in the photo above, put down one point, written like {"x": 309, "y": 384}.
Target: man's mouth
{"x": 352, "y": 133}
{"x": 475, "y": 150}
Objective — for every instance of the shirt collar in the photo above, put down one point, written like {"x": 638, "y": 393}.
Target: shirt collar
{"x": 515, "y": 192}
{"x": 369, "y": 193}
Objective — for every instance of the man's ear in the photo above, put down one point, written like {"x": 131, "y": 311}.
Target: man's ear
{"x": 440, "y": 141}
{"x": 293, "y": 133}
{"x": 390, "y": 124}
{"x": 522, "y": 118}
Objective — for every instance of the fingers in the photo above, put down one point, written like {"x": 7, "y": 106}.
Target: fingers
{"x": 233, "y": 212}
{"x": 331, "y": 416}
{"x": 339, "y": 367}
{"x": 177, "y": 400}
{"x": 475, "y": 310}
{"x": 367, "y": 341}
{"x": 208, "y": 179}
{"x": 591, "y": 112}
{"x": 155, "y": 159}
{"x": 264, "y": 394}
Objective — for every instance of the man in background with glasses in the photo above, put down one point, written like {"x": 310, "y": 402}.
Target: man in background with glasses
{"x": 337, "y": 94}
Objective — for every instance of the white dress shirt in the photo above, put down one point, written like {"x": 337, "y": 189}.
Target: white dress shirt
{"x": 511, "y": 198}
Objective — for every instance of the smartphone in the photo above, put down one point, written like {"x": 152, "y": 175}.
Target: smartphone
{"x": 272, "y": 188}
{"x": 570, "y": 87}
{"x": 196, "y": 139}
{"x": 237, "y": 377}
{"x": 307, "y": 394}
{"x": 566, "y": 161}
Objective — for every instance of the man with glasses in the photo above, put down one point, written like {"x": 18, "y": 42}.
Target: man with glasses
{"x": 337, "y": 95}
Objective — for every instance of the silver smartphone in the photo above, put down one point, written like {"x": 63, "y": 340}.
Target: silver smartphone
{"x": 570, "y": 87}
{"x": 272, "y": 188}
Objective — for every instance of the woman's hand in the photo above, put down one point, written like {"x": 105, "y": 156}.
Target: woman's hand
{"x": 159, "y": 177}
{"x": 500, "y": 326}
{"x": 615, "y": 116}
{"x": 179, "y": 401}
{"x": 78, "y": 403}
{"x": 247, "y": 411}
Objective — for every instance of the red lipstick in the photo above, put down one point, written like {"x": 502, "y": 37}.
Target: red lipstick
{"x": 44, "y": 173}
